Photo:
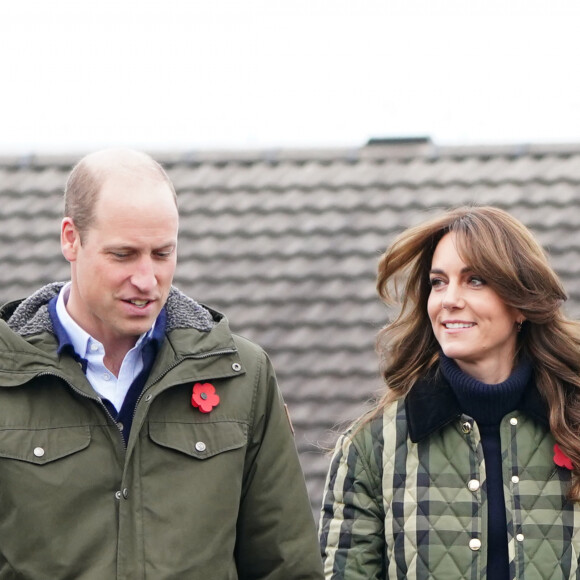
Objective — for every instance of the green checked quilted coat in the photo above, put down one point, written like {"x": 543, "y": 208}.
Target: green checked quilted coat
{"x": 406, "y": 495}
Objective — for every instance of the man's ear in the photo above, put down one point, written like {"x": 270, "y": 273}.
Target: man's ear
{"x": 70, "y": 239}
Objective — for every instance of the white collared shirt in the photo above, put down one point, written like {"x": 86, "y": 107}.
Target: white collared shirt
{"x": 105, "y": 383}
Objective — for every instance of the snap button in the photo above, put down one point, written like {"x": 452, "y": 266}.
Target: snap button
{"x": 125, "y": 493}
{"x": 118, "y": 495}
{"x": 513, "y": 421}
{"x": 38, "y": 451}
{"x": 106, "y": 377}
{"x": 520, "y": 537}
{"x": 473, "y": 485}
{"x": 200, "y": 446}
{"x": 120, "y": 425}
{"x": 515, "y": 479}
{"x": 466, "y": 427}
{"x": 475, "y": 544}
{"x": 148, "y": 398}
{"x": 237, "y": 367}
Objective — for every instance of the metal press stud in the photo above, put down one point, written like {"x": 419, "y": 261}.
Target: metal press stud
{"x": 473, "y": 485}
{"x": 475, "y": 544}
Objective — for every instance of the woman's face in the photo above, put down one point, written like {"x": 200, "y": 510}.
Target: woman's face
{"x": 471, "y": 322}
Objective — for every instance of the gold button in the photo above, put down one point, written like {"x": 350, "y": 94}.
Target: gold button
{"x": 475, "y": 544}
{"x": 473, "y": 485}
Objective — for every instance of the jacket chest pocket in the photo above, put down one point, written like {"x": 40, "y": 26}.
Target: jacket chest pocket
{"x": 200, "y": 440}
{"x": 42, "y": 446}
{"x": 40, "y": 463}
{"x": 205, "y": 460}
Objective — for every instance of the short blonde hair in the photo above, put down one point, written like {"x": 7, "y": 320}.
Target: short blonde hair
{"x": 89, "y": 174}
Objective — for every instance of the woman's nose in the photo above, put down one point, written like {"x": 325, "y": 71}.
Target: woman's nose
{"x": 452, "y": 297}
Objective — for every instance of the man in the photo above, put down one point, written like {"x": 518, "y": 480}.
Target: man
{"x": 139, "y": 438}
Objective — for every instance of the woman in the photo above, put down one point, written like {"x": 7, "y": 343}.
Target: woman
{"x": 456, "y": 474}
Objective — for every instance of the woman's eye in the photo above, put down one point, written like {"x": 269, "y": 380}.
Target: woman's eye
{"x": 435, "y": 282}
{"x": 476, "y": 281}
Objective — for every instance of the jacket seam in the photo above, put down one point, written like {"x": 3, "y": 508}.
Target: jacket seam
{"x": 371, "y": 475}
{"x": 252, "y": 422}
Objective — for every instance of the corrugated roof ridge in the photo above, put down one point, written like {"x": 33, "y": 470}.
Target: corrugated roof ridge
{"x": 289, "y": 277}
{"x": 381, "y": 185}
{"x": 304, "y": 373}
{"x": 38, "y": 162}
{"x": 396, "y": 151}
{"x": 366, "y": 207}
{"x": 305, "y": 323}
{"x": 384, "y": 185}
{"x": 280, "y": 255}
{"x": 244, "y": 233}
{"x": 433, "y": 151}
{"x": 298, "y": 300}
{"x": 17, "y": 194}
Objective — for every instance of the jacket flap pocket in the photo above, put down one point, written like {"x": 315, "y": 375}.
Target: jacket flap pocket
{"x": 200, "y": 440}
{"x": 43, "y": 445}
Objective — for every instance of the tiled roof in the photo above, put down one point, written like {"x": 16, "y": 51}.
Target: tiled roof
{"x": 286, "y": 244}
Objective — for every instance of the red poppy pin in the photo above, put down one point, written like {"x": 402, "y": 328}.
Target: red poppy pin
{"x": 204, "y": 397}
{"x": 561, "y": 459}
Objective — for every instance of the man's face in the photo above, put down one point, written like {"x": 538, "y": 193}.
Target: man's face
{"x": 123, "y": 269}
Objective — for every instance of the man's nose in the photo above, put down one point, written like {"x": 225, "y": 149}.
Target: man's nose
{"x": 144, "y": 277}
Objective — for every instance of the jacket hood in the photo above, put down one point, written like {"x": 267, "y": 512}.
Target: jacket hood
{"x": 31, "y": 316}
{"x": 26, "y": 330}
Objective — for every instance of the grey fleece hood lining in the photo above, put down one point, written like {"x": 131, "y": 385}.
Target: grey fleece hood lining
{"x": 32, "y": 316}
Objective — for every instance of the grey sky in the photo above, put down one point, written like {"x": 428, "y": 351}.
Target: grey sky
{"x": 186, "y": 74}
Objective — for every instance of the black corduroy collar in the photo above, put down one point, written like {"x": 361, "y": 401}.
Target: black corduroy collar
{"x": 431, "y": 404}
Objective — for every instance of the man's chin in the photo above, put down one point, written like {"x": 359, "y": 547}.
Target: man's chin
{"x": 136, "y": 328}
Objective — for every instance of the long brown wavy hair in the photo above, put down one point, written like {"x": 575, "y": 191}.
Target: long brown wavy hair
{"x": 504, "y": 252}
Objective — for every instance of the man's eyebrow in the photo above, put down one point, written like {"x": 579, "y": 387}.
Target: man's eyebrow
{"x": 123, "y": 246}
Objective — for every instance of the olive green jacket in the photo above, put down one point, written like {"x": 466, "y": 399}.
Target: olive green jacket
{"x": 208, "y": 496}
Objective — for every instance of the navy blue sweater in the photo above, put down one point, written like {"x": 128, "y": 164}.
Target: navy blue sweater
{"x": 150, "y": 349}
{"x": 487, "y": 405}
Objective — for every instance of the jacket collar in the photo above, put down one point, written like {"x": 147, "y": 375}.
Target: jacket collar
{"x": 431, "y": 404}
{"x": 31, "y": 316}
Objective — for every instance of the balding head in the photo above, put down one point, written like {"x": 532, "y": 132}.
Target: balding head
{"x": 92, "y": 171}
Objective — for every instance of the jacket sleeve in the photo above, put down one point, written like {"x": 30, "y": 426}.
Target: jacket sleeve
{"x": 276, "y": 532}
{"x": 352, "y": 519}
